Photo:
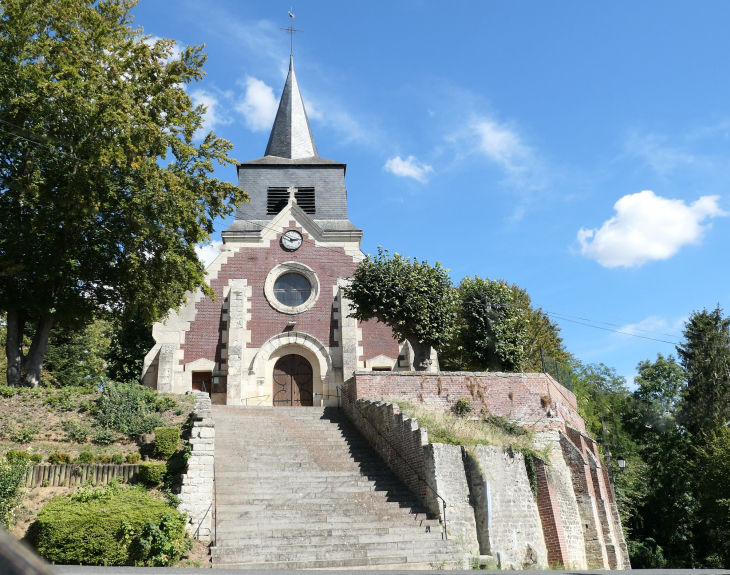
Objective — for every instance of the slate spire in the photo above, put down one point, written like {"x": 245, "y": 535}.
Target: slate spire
{"x": 291, "y": 137}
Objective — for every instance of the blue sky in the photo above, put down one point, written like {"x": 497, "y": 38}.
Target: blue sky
{"x": 580, "y": 150}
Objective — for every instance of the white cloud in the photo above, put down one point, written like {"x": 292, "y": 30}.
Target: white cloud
{"x": 208, "y": 252}
{"x": 647, "y": 227}
{"x": 212, "y": 116}
{"x": 259, "y": 104}
{"x": 502, "y": 145}
{"x": 408, "y": 168}
{"x": 656, "y": 154}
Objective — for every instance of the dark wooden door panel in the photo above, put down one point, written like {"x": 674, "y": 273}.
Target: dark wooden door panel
{"x": 293, "y": 382}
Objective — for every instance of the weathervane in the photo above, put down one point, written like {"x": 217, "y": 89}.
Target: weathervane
{"x": 292, "y": 30}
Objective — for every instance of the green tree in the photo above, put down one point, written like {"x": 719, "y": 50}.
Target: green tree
{"x": 705, "y": 355}
{"x": 492, "y": 332}
{"x": 93, "y": 219}
{"x": 78, "y": 357}
{"x": 127, "y": 350}
{"x": 658, "y": 394}
{"x": 414, "y": 299}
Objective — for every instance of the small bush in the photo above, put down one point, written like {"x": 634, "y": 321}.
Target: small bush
{"x": 25, "y": 434}
{"x": 76, "y": 430}
{"x": 117, "y": 459}
{"x": 152, "y": 473}
{"x": 160, "y": 544}
{"x": 128, "y": 408}
{"x": 85, "y": 458}
{"x": 84, "y": 406}
{"x": 12, "y": 476}
{"x": 7, "y": 391}
{"x": 17, "y": 456}
{"x": 65, "y": 400}
{"x": 104, "y": 436}
{"x": 133, "y": 458}
{"x": 59, "y": 458}
{"x": 505, "y": 425}
{"x": 462, "y": 407}
{"x": 166, "y": 441}
{"x": 107, "y": 526}
{"x": 101, "y": 458}
{"x": 36, "y": 458}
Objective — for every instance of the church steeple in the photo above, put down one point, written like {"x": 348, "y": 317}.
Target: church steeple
{"x": 291, "y": 137}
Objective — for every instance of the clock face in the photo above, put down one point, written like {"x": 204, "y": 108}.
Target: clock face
{"x": 291, "y": 240}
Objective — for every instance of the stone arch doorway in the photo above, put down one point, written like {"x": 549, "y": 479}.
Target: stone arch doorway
{"x": 293, "y": 381}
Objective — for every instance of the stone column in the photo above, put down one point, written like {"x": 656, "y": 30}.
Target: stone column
{"x": 238, "y": 337}
{"x": 166, "y": 369}
{"x": 349, "y": 338}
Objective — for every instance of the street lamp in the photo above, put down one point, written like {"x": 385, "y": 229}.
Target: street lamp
{"x": 621, "y": 461}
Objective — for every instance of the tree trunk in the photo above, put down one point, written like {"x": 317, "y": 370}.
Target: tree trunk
{"x": 34, "y": 361}
{"x": 422, "y": 357}
{"x": 14, "y": 346}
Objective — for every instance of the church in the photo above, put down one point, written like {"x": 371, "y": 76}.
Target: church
{"x": 278, "y": 331}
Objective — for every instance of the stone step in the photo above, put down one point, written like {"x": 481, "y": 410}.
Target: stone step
{"x": 226, "y": 526}
{"x": 416, "y": 563}
{"x": 347, "y": 537}
{"x": 329, "y": 531}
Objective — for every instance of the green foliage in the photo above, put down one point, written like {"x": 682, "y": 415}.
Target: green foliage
{"x": 167, "y": 440}
{"x": 646, "y": 554}
{"x": 162, "y": 544}
{"x": 16, "y": 456}
{"x": 531, "y": 470}
{"x": 103, "y": 210}
{"x": 102, "y": 526}
{"x": 24, "y": 434}
{"x": 64, "y": 400}
{"x": 463, "y": 406}
{"x": 152, "y": 472}
{"x": 414, "y": 299}
{"x": 76, "y": 357}
{"x": 59, "y": 458}
{"x": 7, "y": 391}
{"x": 103, "y": 458}
{"x": 117, "y": 458}
{"x": 705, "y": 355}
{"x": 133, "y": 458}
{"x": 493, "y": 328}
{"x": 85, "y": 458}
{"x": 505, "y": 425}
{"x": 129, "y": 345}
{"x": 128, "y": 408}
{"x": 76, "y": 430}
{"x": 104, "y": 436}
{"x": 12, "y": 475}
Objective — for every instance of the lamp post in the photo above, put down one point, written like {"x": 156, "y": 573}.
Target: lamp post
{"x": 621, "y": 461}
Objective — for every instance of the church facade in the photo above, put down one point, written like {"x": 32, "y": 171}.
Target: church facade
{"x": 277, "y": 332}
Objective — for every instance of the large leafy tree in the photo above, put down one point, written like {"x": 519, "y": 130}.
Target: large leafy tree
{"x": 105, "y": 184}
{"x": 127, "y": 350}
{"x": 414, "y": 298}
{"x": 705, "y": 355}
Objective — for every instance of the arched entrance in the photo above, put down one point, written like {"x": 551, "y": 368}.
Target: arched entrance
{"x": 293, "y": 381}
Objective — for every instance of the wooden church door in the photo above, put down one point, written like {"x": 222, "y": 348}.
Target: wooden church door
{"x": 293, "y": 382}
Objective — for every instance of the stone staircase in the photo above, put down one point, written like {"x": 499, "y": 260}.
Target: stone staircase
{"x": 299, "y": 488}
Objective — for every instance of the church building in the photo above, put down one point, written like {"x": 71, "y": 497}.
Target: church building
{"x": 277, "y": 332}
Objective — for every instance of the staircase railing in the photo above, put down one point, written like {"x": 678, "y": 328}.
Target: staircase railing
{"x": 418, "y": 475}
{"x": 261, "y": 399}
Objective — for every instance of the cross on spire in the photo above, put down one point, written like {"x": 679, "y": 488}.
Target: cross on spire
{"x": 291, "y": 30}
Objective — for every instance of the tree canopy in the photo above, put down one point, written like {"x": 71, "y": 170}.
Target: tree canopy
{"x": 105, "y": 185}
{"x": 414, "y": 298}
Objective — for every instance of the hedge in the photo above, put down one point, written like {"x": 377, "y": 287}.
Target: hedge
{"x": 167, "y": 440}
{"x": 152, "y": 472}
{"x": 101, "y": 527}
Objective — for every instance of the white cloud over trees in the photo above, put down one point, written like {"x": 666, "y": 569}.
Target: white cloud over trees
{"x": 647, "y": 228}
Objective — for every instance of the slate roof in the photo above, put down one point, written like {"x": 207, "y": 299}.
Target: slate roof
{"x": 291, "y": 137}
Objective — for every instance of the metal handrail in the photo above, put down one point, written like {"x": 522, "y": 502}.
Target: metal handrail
{"x": 265, "y": 397}
{"x": 215, "y": 507}
{"x": 446, "y": 533}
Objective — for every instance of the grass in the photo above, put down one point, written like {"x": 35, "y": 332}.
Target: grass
{"x": 446, "y": 427}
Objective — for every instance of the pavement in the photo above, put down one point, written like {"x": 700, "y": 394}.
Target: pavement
{"x": 74, "y": 569}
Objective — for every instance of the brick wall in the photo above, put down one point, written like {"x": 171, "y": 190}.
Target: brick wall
{"x": 377, "y": 339}
{"x": 254, "y": 264}
{"x": 530, "y": 398}
{"x": 552, "y": 524}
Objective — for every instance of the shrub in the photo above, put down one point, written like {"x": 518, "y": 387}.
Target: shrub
{"x": 128, "y": 408}
{"x": 104, "y": 436}
{"x": 76, "y": 430}
{"x": 133, "y": 458}
{"x": 105, "y": 527}
{"x": 59, "y": 458}
{"x": 152, "y": 472}
{"x": 101, "y": 458}
{"x": 85, "y": 458}
{"x": 117, "y": 459}
{"x": 166, "y": 441}
{"x": 36, "y": 458}
{"x": 84, "y": 406}
{"x": 7, "y": 391}
{"x": 462, "y": 407}
{"x": 505, "y": 425}
{"x": 161, "y": 545}
{"x": 12, "y": 476}
{"x": 17, "y": 456}
{"x": 25, "y": 434}
{"x": 65, "y": 400}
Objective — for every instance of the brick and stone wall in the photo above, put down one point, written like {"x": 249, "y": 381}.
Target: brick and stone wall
{"x": 529, "y": 398}
{"x": 197, "y": 491}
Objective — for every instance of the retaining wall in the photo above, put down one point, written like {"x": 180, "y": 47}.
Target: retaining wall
{"x": 197, "y": 489}
{"x": 68, "y": 475}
